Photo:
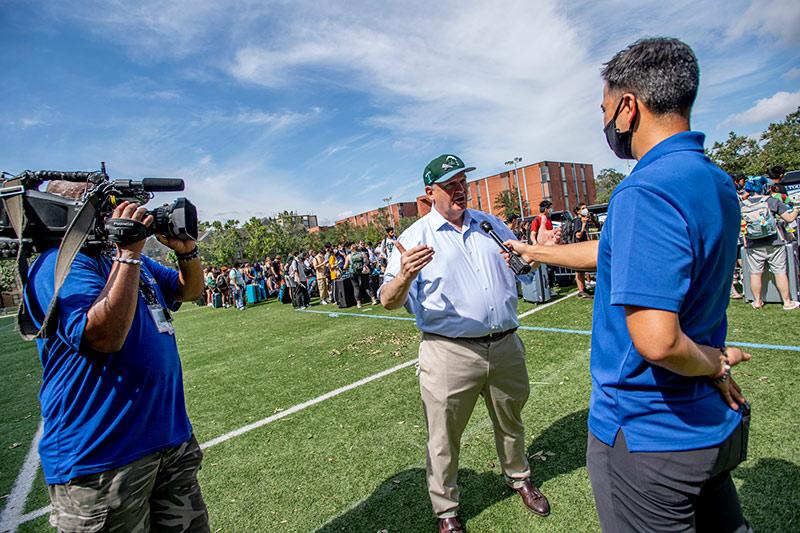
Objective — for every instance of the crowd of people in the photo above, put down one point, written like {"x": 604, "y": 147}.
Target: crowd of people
{"x": 301, "y": 275}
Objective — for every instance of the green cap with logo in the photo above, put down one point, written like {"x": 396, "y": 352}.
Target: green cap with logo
{"x": 443, "y": 168}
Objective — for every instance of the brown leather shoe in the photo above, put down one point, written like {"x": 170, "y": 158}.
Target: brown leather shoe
{"x": 451, "y": 525}
{"x": 533, "y": 499}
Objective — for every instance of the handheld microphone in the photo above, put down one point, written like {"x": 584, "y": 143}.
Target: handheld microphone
{"x": 514, "y": 260}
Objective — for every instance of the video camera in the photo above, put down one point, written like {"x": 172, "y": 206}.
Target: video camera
{"x": 48, "y": 216}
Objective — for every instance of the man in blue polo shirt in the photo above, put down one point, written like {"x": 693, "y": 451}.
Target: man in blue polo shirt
{"x": 667, "y": 423}
{"x": 117, "y": 449}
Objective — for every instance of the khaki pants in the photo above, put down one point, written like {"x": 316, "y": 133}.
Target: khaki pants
{"x": 159, "y": 492}
{"x": 453, "y": 373}
{"x": 322, "y": 283}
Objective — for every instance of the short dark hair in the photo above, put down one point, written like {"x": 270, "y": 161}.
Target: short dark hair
{"x": 775, "y": 172}
{"x": 661, "y": 71}
{"x": 544, "y": 204}
{"x": 389, "y": 228}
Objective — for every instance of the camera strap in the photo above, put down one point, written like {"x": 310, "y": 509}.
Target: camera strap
{"x": 16, "y": 216}
{"x": 78, "y": 230}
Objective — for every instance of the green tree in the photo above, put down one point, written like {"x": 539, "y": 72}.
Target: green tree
{"x": 8, "y": 276}
{"x": 781, "y": 144}
{"x": 606, "y": 181}
{"x": 507, "y": 202}
{"x": 737, "y": 154}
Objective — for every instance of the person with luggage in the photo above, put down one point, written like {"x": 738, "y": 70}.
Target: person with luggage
{"x": 357, "y": 264}
{"x": 223, "y": 287}
{"x": 764, "y": 244}
{"x": 236, "y": 281}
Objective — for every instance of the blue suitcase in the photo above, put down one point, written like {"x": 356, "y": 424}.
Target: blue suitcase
{"x": 216, "y": 300}
{"x": 252, "y": 294}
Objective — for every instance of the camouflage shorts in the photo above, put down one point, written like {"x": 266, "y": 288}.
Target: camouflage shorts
{"x": 158, "y": 492}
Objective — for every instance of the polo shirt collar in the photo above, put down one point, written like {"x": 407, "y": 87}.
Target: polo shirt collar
{"x": 680, "y": 142}
{"x": 437, "y": 221}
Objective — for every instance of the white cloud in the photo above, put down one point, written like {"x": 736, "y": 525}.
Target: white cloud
{"x": 775, "y": 107}
{"x": 489, "y": 80}
{"x": 779, "y": 19}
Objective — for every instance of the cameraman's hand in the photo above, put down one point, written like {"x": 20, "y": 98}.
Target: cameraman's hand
{"x": 180, "y": 246}
{"x": 414, "y": 260}
{"x": 135, "y": 212}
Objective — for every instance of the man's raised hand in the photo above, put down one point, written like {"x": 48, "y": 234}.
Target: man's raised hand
{"x": 414, "y": 260}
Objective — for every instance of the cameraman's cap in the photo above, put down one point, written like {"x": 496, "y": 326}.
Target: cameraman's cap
{"x": 443, "y": 168}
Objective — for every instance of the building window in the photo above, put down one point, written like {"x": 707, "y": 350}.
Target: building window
{"x": 478, "y": 190}
{"x": 504, "y": 180}
{"x": 545, "y": 190}
{"x": 545, "y": 174}
{"x": 575, "y": 183}
{"x": 583, "y": 180}
{"x": 563, "y": 174}
{"x": 469, "y": 193}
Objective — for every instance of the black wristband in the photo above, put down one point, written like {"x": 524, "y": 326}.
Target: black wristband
{"x": 188, "y": 256}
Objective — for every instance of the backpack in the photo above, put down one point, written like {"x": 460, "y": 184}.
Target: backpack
{"x": 357, "y": 263}
{"x": 758, "y": 218}
{"x": 222, "y": 282}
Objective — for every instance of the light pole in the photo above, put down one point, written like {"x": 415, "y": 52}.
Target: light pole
{"x": 516, "y": 178}
{"x": 387, "y": 200}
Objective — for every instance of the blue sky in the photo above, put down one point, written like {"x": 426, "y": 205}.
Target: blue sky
{"x": 263, "y": 106}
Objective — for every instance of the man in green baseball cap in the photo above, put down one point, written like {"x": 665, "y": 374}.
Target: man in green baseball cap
{"x": 449, "y": 273}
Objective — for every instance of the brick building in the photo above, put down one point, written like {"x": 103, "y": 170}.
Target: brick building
{"x": 564, "y": 184}
{"x": 392, "y": 214}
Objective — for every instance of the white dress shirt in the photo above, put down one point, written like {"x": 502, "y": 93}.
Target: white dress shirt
{"x": 467, "y": 290}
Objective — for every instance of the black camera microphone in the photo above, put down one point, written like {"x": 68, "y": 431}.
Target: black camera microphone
{"x": 514, "y": 260}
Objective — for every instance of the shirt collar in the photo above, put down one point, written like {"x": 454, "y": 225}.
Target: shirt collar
{"x": 437, "y": 221}
{"x": 683, "y": 141}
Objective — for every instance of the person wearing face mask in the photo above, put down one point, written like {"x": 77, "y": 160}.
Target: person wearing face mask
{"x": 449, "y": 273}
{"x": 580, "y": 233}
{"x": 667, "y": 422}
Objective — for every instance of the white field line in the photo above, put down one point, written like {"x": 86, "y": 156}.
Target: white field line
{"x": 291, "y": 410}
{"x": 471, "y": 430}
{"x": 304, "y": 405}
{"x": 10, "y": 519}
{"x": 545, "y": 306}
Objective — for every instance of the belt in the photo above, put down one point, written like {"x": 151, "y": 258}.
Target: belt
{"x": 486, "y": 338}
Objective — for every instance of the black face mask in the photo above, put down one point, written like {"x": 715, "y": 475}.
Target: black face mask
{"x": 619, "y": 142}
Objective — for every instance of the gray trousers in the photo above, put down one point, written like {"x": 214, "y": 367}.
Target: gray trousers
{"x": 690, "y": 491}
{"x": 453, "y": 374}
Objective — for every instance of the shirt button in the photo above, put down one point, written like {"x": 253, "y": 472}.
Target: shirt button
{"x": 491, "y": 308}
{"x": 486, "y": 288}
{"x": 477, "y": 269}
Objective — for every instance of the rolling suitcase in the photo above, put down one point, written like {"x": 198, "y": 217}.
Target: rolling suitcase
{"x": 344, "y": 293}
{"x": 216, "y": 300}
{"x": 252, "y": 294}
{"x": 536, "y": 286}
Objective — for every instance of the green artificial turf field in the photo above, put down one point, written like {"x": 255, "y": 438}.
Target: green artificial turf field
{"x": 355, "y": 461}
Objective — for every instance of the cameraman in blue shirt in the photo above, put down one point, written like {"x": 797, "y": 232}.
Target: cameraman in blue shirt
{"x": 117, "y": 450}
{"x": 667, "y": 422}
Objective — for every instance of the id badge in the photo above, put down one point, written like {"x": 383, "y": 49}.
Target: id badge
{"x": 161, "y": 319}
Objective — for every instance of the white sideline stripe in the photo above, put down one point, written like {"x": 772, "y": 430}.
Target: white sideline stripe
{"x": 10, "y": 519}
{"x": 304, "y": 405}
{"x": 291, "y": 410}
{"x": 545, "y": 306}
